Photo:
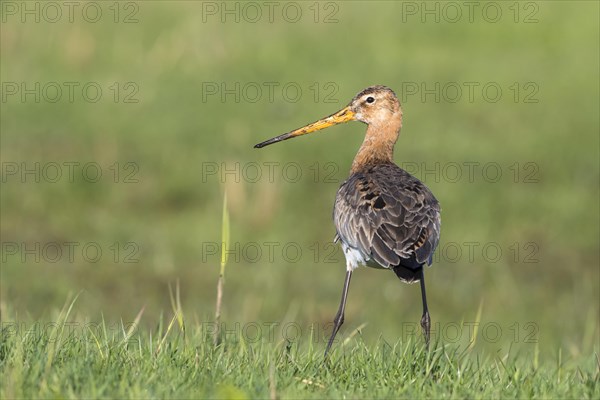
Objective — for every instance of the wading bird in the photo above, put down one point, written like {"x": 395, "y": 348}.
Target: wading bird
{"x": 384, "y": 217}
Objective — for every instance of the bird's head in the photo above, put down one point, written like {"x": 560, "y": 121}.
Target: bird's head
{"x": 376, "y": 105}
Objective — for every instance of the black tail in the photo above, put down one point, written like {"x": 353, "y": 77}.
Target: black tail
{"x": 407, "y": 274}
{"x": 409, "y": 270}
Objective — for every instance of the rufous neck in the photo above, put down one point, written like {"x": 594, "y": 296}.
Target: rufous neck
{"x": 378, "y": 146}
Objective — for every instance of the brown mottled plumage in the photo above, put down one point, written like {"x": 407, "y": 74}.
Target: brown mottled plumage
{"x": 390, "y": 217}
{"x": 384, "y": 217}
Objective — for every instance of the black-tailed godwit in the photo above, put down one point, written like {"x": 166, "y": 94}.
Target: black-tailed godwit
{"x": 384, "y": 217}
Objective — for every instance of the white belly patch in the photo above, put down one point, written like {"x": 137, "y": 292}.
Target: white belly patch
{"x": 355, "y": 258}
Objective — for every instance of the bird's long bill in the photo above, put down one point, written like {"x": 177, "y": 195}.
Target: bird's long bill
{"x": 344, "y": 115}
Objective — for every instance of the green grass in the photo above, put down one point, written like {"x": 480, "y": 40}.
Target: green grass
{"x": 69, "y": 359}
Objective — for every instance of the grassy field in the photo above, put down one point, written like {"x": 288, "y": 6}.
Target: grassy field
{"x": 122, "y": 130}
{"x": 88, "y": 360}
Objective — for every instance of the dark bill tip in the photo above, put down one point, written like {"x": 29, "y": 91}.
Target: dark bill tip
{"x": 273, "y": 140}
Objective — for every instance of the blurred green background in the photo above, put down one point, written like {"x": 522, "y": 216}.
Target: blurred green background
{"x": 171, "y": 121}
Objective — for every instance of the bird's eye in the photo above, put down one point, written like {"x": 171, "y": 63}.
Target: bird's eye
{"x": 370, "y": 99}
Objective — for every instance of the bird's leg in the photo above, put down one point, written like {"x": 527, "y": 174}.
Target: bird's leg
{"x": 425, "y": 320}
{"x": 339, "y": 317}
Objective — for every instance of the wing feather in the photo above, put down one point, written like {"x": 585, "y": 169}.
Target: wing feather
{"x": 388, "y": 215}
